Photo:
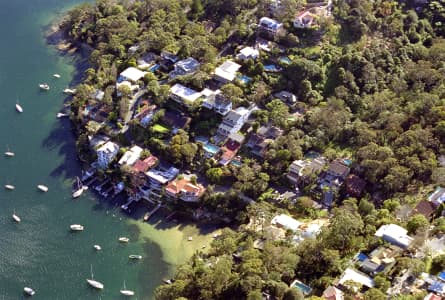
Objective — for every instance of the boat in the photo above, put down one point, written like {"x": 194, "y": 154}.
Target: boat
{"x": 123, "y": 239}
{"x": 61, "y": 115}
{"x": 29, "y": 291}
{"x": 9, "y": 187}
{"x": 76, "y": 227}
{"x": 56, "y": 75}
{"x": 43, "y": 188}
{"x": 126, "y": 292}
{"x": 18, "y": 108}
{"x": 94, "y": 283}
{"x": 167, "y": 281}
{"x": 97, "y": 247}
{"x": 9, "y": 153}
{"x": 44, "y": 86}
{"x": 16, "y": 218}
{"x": 69, "y": 91}
{"x": 79, "y": 189}
{"x": 135, "y": 256}
{"x": 190, "y": 238}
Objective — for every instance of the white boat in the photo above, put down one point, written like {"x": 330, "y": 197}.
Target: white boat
{"x": 76, "y": 227}
{"x": 69, "y": 91}
{"x": 126, "y": 292}
{"x": 44, "y": 86}
{"x": 29, "y": 291}
{"x": 94, "y": 283}
{"x": 190, "y": 238}
{"x": 9, "y": 153}
{"x": 43, "y": 188}
{"x": 18, "y": 108}
{"x": 56, "y": 75}
{"x": 9, "y": 187}
{"x": 135, "y": 256}
{"x": 16, "y": 218}
{"x": 61, "y": 115}
{"x": 97, "y": 247}
{"x": 123, "y": 239}
{"x": 80, "y": 188}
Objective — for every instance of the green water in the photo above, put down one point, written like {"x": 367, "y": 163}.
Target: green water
{"x": 40, "y": 252}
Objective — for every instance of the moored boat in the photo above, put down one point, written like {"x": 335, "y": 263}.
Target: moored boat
{"x": 29, "y": 291}
{"x": 76, "y": 227}
{"x": 69, "y": 91}
{"x": 56, "y": 75}
{"x": 44, "y": 86}
{"x": 61, "y": 115}
{"x": 18, "y": 108}
{"x": 97, "y": 247}
{"x": 43, "y": 188}
{"x": 94, "y": 283}
{"x": 123, "y": 239}
{"x": 126, "y": 292}
{"x": 9, "y": 187}
{"x": 79, "y": 188}
{"x": 135, "y": 256}
{"x": 16, "y": 218}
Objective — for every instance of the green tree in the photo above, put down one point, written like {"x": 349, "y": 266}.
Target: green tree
{"x": 293, "y": 294}
{"x": 417, "y": 223}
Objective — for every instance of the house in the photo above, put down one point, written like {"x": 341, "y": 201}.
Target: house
{"x": 230, "y": 148}
{"x": 146, "y": 113}
{"x": 260, "y": 140}
{"x": 432, "y": 296}
{"x": 131, "y": 156}
{"x": 354, "y": 185}
{"x": 305, "y": 19}
{"x": 286, "y": 97}
{"x": 184, "y": 95}
{"x": 379, "y": 260}
{"x": 300, "y": 169}
{"x": 338, "y": 169}
{"x": 97, "y": 141}
{"x": 157, "y": 178}
{"x": 146, "y": 61}
{"x": 233, "y": 121}
{"x": 437, "y": 197}
{"x": 437, "y": 287}
{"x": 168, "y": 60}
{"x": 248, "y": 53}
{"x": 142, "y": 166}
{"x": 425, "y": 208}
{"x": 226, "y": 72}
{"x": 184, "y": 189}
{"x": 270, "y": 25}
{"x": 332, "y": 293}
{"x": 106, "y": 153}
{"x": 220, "y": 103}
{"x": 131, "y": 74}
{"x": 355, "y": 276}
{"x": 286, "y": 222}
{"x": 395, "y": 235}
{"x": 184, "y": 67}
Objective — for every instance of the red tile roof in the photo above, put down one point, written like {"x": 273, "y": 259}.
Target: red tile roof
{"x": 146, "y": 164}
{"x": 184, "y": 185}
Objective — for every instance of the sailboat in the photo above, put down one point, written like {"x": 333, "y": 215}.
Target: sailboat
{"x": 43, "y": 188}
{"x": 135, "y": 256}
{"x": 9, "y": 153}
{"x": 18, "y": 107}
{"x": 9, "y": 187}
{"x": 29, "y": 291}
{"x": 80, "y": 188}
{"x": 95, "y": 284}
{"x": 126, "y": 292}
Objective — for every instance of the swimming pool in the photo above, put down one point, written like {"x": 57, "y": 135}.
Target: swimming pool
{"x": 272, "y": 68}
{"x": 210, "y": 148}
{"x": 244, "y": 79}
{"x": 285, "y": 60}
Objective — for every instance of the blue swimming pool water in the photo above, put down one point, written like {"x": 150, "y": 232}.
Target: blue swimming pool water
{"x": 271, "y": 68}
{"x": 285, "y": 60}
{"x": 244, "y": 79}
{"x": 211, "y": 148}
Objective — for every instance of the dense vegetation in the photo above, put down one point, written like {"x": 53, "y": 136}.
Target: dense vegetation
{"x": 373, "y": 88}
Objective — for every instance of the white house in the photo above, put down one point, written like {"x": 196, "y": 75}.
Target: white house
{"x": 356, "y": 276}
{"x": 220, "y": 103}
{"x": 131, "y": 74}
{"x": 286, "y": 222}
{"x": 131, "y": 156}
{"x": 157, "y": 178}
{"x": 247, "y": 53}
{"x": 395, "y": 235}
{"x": 106, "y": 153}
{"x": 184, "y": 95}
{"x": 233, "y": 121}
{"x": 270, "y": 25}
{"x": 227, "y": 71}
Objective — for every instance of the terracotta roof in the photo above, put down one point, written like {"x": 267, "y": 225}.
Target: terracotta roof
{"x": 332, "y": 293}
{"x": 184, "y": 185}
{"x": 144, "y": 165}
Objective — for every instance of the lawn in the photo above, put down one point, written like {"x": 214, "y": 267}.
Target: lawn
{"x": 160, "y": 129}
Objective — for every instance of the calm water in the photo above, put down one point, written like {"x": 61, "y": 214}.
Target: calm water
{"x": 40, "y": 252}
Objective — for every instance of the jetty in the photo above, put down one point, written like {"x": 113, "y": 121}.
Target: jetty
{"x": 148, "y": 215}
